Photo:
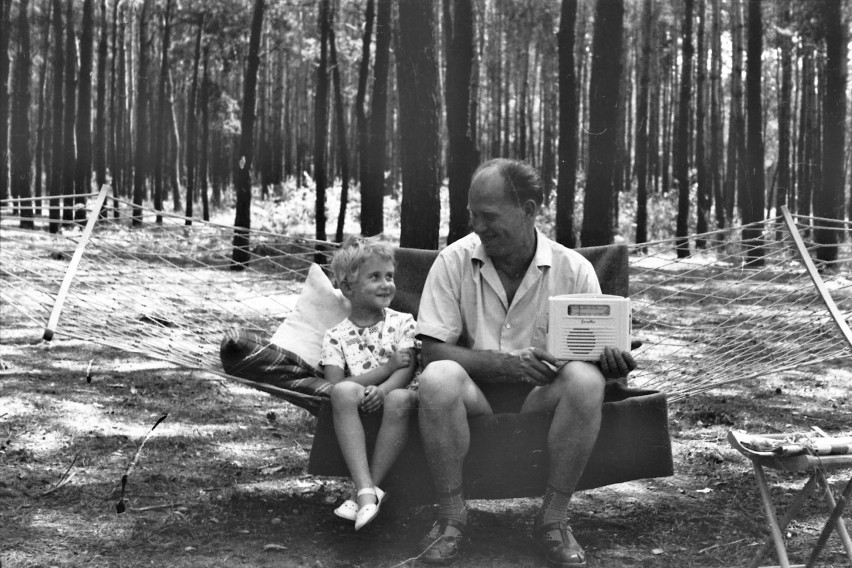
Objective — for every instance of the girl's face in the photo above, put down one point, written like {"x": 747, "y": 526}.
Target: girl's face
{"x": 374, "y": 288}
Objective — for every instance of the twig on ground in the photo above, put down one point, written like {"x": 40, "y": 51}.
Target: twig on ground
{"x": 720, "y": 545}
{"x": 156, "y": 507}
{"x": 66, "y": 477}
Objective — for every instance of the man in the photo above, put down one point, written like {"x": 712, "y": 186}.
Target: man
{"x": 483, "y": 322}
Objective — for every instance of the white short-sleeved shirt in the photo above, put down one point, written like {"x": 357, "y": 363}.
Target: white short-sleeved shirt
{"x": 359, "y": 349}
{"x": 464, "y": 303}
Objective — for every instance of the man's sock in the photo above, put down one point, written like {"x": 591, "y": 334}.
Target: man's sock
{"x": 554, "y": 506}
{"x": 451, "y": 505}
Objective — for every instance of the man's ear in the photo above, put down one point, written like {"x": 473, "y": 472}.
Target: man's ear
{"x": 530, "y": 208}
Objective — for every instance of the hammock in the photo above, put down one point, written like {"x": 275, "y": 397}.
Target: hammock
{"x": 167, "y": 290}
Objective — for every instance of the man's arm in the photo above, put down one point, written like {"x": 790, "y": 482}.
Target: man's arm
{"x": 523, "y": 366}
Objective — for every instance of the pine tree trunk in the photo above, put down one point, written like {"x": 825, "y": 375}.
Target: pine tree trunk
{"x": 204, "y": 147}
{"x": 160, "y": 124}
{"x": 19, "y": 143}
{"x": 42, "y": 148}
{"x": 716, "y": 144}
{"x": 784, "y": 106}
{"x": 119, "y": 172}
{"x": 567, "y": 180}
{"x": 5, "y": 28}
{"x": 372, "y": 193}
{"x": 191, "y": 121}
{"x": 754, "y": 205}
{"x": 112, "y": 151}
{"x": 99, "y": 149}
{"x": 642, "y": 126}
{"x": 681, "y": 140}
{"x": 321, "y": 122}
{"x": 361, "y": 123}
{"x": 83, "y": 167}
{"x": 828, "y": 203}
{"x": 140, "y": 172}
{"x": 69, "y": 161}
{"x": 550, "y": 107}
{"x": 339, "y": 113}
{"x": 419, "y": 115}
{"x": 704, "y": 189}
{"x": 736, "y": 128}
{"x": 458, "y": 25}
{"x": 173, "y": 160}
{"x": 54, "y": 186}
{"x": 603, "y": 116}
{"x": 242, "y": 169}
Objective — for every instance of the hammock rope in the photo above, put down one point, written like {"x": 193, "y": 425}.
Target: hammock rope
{"x": 735, "y": 304}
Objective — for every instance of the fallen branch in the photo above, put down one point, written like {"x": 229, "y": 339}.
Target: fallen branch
{"x": 65, "y": 478}
{"x": 120, "y": 507}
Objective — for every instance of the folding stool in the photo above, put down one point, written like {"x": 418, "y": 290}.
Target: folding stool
{"x": 786, "y": 457}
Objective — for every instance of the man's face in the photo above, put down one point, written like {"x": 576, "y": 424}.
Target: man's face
{"x": 502, "y": 225}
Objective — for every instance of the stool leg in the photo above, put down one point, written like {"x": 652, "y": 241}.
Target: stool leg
{"x": 842, "y": 533}
{"x": 769, "y": 508}
{"x": 792, "y": 510}
{"x": 831, "y": 523}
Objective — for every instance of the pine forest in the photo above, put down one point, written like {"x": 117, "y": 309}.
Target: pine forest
{"x": 648, "y": 119}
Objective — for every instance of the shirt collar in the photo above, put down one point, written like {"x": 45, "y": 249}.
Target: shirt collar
{"x": 543, "y": 253}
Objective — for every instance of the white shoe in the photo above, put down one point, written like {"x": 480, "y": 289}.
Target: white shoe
{"x": 348, "y": 510}
{"x": 367, "y": 513}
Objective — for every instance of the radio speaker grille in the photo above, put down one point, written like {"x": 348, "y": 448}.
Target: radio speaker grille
{"x": 582, "y": 340}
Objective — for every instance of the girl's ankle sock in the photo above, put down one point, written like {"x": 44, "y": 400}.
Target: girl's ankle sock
{"x": 554, "y": 506}
{"x": 451, "y": 505}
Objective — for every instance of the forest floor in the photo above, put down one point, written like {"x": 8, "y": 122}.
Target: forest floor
{"x": 222, "y": 480}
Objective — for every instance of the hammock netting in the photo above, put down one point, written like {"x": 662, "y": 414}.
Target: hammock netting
{"x": 727, "y": 308}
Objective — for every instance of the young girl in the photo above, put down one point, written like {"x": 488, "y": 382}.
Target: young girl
{"x": 369, "y": 358}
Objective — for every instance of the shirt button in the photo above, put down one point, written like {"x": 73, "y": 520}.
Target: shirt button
{"x": 508, "y": 326}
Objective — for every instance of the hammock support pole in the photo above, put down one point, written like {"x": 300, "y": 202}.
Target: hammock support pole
{"x": 817, "y": 279}
{"x": 72, "y": 266}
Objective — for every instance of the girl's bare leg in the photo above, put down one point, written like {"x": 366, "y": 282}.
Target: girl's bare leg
{"x": 393, "y": 434}
{"x": 345, "y": 400}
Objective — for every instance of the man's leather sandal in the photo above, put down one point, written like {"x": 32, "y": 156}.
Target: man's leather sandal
{"x": 559, "y": 552}
{"x": 439, "y": 547}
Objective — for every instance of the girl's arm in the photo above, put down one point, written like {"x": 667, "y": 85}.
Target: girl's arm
{"x": 399, "y": 378}
{"x": 374, "y": 396}
{"x": 397, "y": 362}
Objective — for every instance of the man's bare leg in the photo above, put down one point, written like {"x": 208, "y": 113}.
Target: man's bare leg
{"x": 447, "y": 396}
{"x": 575, "y": 398}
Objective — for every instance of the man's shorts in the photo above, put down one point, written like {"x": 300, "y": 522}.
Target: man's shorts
{"x": 505, "y": 397}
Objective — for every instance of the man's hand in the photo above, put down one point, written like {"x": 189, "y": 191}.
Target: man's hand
{"x": 373, "y": 399}
{"x": 532, "y": 365}
{"x": 400, "y": 359}
{"x": 616, "y": 364}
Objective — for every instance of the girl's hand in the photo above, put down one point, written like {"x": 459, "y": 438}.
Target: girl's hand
{"x": 400, "y": 359}
{"x": 374, "y": 398}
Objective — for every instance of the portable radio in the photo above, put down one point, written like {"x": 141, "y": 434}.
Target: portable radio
{"x": 580, "y": 326}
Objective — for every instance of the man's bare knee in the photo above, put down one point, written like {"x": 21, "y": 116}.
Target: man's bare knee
{"x": 581, "y": 383}
{"x": 441, "y": 381}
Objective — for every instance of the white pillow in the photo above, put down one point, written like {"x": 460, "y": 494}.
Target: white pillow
{"x": 320, "y": 306}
